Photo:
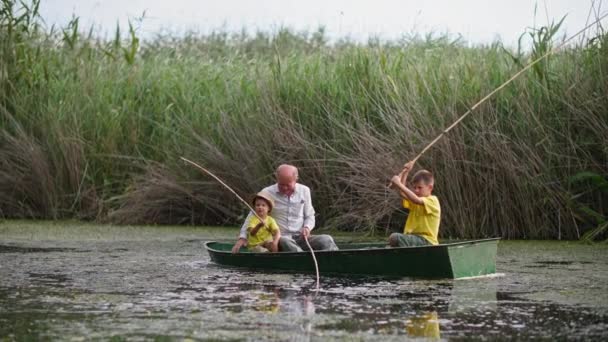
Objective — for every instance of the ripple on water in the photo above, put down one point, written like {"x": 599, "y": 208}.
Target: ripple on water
{"x": 145, "y": 289}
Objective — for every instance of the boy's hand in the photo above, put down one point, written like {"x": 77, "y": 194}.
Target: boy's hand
{"x": 396, "y": 180}
{"x": 255, "y": 230}
{"x": 408, "y": 166}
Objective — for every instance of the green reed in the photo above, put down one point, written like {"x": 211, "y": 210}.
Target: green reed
{"x": 94, "y": 129}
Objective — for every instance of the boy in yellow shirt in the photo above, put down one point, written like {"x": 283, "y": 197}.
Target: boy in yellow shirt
{"x": 422, "y": 225}
{"x": 263, "y": 237}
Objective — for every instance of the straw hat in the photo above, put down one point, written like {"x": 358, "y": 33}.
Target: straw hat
{"x": 265, "y": 196}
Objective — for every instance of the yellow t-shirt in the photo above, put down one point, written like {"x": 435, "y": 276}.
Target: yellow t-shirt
{"x": 424, "y": 218}
{"x": 265, "y": 233}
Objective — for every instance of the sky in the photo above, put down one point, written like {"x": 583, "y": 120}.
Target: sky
{"x": 477, "y": 21}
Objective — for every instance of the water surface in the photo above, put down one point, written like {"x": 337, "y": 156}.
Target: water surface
{"x": 75, "y": 281}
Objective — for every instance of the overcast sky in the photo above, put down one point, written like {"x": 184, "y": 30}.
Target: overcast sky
{"x": 478, "y": 21}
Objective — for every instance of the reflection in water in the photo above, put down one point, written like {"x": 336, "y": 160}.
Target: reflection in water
{"x": 303, "y": 307}
{"x": 300, "y": 307}
{"x": 473, "y": 294}
{"x": 424, "y": 325}
{"x": 176, "y": 293}
{"x": 364, "y": 305}
{"x": 268, "y": 302}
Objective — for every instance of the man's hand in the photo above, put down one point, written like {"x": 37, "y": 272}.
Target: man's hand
{"x": 237, "y": 246}
{"x": 305, "y": 232}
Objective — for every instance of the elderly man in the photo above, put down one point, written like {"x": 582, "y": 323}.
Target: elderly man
{"x": 294, "y": 214}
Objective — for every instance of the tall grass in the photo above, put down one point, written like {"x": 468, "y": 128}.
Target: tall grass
{"x": 94, "y": 129}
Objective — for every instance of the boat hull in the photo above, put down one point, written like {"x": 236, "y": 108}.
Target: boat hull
{"x": 451, "y": 260}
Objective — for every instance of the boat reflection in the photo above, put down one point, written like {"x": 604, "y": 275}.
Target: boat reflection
{"x": 413, "y": 309}
{"x": 473, "y": 294}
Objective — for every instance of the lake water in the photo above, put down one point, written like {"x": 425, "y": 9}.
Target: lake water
{"x": 72, "y": 281}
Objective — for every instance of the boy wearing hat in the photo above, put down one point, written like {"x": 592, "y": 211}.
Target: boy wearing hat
{"x": 263, "y": 236}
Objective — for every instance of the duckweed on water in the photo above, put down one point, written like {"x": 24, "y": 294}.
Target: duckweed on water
{"x": 156, "y": 285}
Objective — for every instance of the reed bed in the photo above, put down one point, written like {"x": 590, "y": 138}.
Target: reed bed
{"x": 93, "y": 129}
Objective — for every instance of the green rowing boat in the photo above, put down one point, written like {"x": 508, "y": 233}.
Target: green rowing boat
{"x": 449, "y": 260}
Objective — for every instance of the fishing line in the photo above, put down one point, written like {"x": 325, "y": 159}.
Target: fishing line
{"x": 314, "y": 258}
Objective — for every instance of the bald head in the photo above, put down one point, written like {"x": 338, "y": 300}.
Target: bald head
{"x": 287, "y": 176}
{"x": 286, "y": 170}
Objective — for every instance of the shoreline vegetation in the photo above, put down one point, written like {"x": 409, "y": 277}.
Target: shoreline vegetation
{"x": 93, "y": 129}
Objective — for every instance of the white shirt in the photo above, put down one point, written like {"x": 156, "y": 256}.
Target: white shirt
{"x": 292, "y": 213}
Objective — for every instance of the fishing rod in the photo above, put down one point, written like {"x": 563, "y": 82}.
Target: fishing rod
{"x": 516, "y": 75}
{"x": 314, "y": 258}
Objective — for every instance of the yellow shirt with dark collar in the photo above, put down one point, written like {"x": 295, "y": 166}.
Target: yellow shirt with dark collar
{"x": 263, "y": 234}
{"x": 423, "y": 219}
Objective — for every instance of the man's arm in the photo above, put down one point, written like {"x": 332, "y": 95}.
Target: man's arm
{"x": 243, "y": 232}
{"x": 309, "y": 214}
{"x": 242, "y": 240}
{"x": 237, "y": 246}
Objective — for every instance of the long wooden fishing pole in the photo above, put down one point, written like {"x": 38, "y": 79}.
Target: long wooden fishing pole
{"x": 314, "y": 258}
{"x": 224, "y": 184}
{"x": 484, "y": 99}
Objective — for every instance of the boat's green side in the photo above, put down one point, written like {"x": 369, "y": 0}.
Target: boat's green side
{"x": 372, "y": 259}
{"x": 473, "y": 259}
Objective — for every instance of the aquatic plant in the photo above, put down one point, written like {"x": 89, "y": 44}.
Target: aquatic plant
{"x": 94, "y": 128}
{"x": 589, "y": 202}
